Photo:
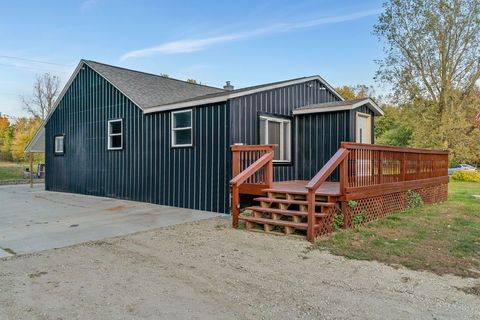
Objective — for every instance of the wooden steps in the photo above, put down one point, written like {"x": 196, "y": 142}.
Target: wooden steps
{"x": 281, "y": 212}
{"x": 293, "y": 201}
{"x": 285, "y": 211}
{"x": 269, "y": 222}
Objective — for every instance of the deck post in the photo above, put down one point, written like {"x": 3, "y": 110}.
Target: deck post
{"x": 235, "y": 205}
{"x": 311, "y": 215}
{"x": 31, "y": 169}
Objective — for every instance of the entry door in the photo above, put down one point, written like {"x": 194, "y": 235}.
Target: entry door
{"x": 363, "y": 128}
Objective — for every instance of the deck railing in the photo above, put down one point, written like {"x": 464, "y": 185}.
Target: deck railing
{"x": 371, "y": 167}
{"x": 369, "y": 170}
{"x": 252, "y": 171}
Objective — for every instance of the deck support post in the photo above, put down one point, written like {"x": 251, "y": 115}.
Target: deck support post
{"x": 31, "y": 169}
{"x": 311, "y": 215}
{"x": 235, "y": 206}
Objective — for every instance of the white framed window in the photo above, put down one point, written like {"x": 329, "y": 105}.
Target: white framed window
{"x": 60, "y": 144}
{"x": 277, "y": 131}
{"x": 115, "y": 134}
{"x": 182, "y": 128}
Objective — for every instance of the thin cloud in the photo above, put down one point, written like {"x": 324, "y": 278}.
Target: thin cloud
{"x": 193, "y": 45}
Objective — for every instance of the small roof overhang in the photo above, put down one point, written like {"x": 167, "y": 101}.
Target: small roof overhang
{"x": 37, "y": 144}
{"x": 339, "y": 106}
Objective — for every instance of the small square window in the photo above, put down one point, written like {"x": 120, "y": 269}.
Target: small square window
{"x": 182, "y": 129}
{"x": 59, "y": 144}
{"x": 115, "y": 134}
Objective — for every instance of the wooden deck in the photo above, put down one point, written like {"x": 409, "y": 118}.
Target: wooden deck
{"x": 298, "y": 187}
{"x": 374, "y": 181}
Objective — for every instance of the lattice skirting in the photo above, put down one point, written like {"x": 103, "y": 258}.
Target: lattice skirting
{"x": 384, "y": 205}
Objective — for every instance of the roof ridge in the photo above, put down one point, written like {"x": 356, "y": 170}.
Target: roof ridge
{"x": 153, "y": 74}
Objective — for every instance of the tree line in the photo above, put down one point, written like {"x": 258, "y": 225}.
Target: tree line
{"x": 16, "y": 135}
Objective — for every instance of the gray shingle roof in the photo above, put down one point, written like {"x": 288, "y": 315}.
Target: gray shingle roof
{"x": 148, "y": 90}
{"x": 345, "y": 103}
{"x": 340, "y": 105}
{"x": 229, "y": 92}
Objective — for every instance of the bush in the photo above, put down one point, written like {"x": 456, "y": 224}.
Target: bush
{"x": 469, "y": 176}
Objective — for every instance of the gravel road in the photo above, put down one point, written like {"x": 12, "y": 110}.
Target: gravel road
{"x": 205, "y": 270}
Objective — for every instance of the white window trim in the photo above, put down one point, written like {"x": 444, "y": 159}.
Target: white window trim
{"x": 109, "y": 144}
{"x": 173, "y": 129}
{"x": 63, "y": 144}
{"x": 289, "y": 137}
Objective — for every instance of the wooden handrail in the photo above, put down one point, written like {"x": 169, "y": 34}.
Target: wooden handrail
{"x": 337, "y": 159}
{"x": 364, "y": 146}
{"x": 327, "y": 169}
{"x": 254, "y": 167}
{"x": 240, "y": 177}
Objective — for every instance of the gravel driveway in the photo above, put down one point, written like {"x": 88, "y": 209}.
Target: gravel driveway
{"x": 205, "y": 270}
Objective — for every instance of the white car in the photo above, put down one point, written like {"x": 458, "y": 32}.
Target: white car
{"x": 461, "y": 166}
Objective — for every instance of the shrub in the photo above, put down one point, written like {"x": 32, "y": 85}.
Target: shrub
{"x": 469, "y": 176}
{"x": 414, "y": 200}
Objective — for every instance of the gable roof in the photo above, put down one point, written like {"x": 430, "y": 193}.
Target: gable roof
{"x": 148, "y": 90}
{"x": 154, "y": 93}
{"x": 340, "y": 105}
{"x": 225, "y": 95}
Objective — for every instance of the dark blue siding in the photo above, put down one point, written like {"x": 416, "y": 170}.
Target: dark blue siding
{"x": 282, "y": 101}
{"x": 147, "y": 169}
{"x": 318, "y": 137}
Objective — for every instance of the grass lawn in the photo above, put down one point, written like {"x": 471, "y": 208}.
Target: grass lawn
{"x": 443, "y": 238}
{"x": 11, "y": 170}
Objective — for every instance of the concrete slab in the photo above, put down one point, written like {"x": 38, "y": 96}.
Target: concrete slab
{"x": 35, "y": 219}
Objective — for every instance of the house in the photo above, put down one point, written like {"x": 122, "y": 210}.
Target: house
{"x": 126, "y": 134}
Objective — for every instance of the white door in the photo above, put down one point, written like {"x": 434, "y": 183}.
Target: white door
{"x": 363, "y": 128}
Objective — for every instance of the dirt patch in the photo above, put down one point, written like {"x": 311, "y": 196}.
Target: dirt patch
{"x": 206, "y": 270}
{"x": 36, "y": 274}
{"x": 117, "y": 208}
{"x": 475, "y": 290}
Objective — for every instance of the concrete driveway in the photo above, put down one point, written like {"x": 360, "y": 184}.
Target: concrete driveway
{"x": 35, "y": 219}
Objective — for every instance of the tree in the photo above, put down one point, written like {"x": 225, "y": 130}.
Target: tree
{"x": 45, "y": 91}
{"x": 6, "y": 132}
{"x": 193, "y": 81}
{"x": 25, "y": 129}
{"x": 355, "y": 92}
{"x": 432, "y": 63}
{"x": 391, "y": 129}
{"x": 432, "y": 49}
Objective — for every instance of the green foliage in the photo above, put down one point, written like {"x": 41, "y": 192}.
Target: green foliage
{"x": 338, "y": 221}
{"x": 414, "y": 200}
{"x": 468, "y": 176}
{"x": 355, "y": 92}
{"x": 358, "y": 218}
{"x": 25, "y": 129}
{"x": 431, "y": 62}
{"x": 351, "y": 204}
{"x": 6, "y": 134}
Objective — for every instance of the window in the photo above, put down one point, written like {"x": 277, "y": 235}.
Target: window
{"x": 364, "y": 128}
{"x": 59, "y": 144}
{"x": 182, "y": 128}
{"x": 277, "y": 131}
{"x": 115, "y": 134}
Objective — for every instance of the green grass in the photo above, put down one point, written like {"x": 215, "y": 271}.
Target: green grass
{"x": 443, "y": 238}
{"x": 11, "y": 170}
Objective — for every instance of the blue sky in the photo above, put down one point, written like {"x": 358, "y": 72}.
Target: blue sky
{"x": 246, "y": 42}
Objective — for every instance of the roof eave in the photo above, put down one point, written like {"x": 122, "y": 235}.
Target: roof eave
{"x": 371, "y": 104}
{"x": 227, "y": 96}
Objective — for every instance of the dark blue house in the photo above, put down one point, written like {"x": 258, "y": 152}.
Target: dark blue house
{"x": 127, "y": 134}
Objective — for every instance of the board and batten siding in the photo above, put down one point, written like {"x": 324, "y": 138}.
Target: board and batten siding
{"x": 148, "y": 169}
{"x": 245, "y": 112}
